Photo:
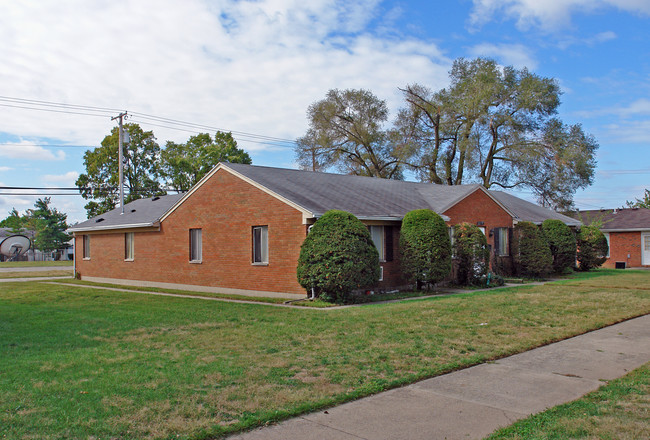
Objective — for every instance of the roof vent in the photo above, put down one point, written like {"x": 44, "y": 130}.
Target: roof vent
{"x": 155, "y": 198}
{"x": 99, "y": 220}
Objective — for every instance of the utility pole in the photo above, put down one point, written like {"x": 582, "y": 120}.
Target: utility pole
{"x": 120, "y": 155}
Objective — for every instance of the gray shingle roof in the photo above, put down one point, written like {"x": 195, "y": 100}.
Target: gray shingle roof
{"x": 316, "y": 193}
{"x": 365, "y": 197}
{"x": 139, "y": 213}
{"x": 632, "y": 219}
{"x": 524, "y": 210}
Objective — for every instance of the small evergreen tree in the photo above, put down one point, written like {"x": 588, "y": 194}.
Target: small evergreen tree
{"x": 532, "y": 256}
{"x": 50, "y": 226}
{"x": 425, "y": 247}
{"x": 592, "y": 248}
{"x": 562, "y": 242}
{"x": 471, "y": 250}
{"x": 337, "y": 256}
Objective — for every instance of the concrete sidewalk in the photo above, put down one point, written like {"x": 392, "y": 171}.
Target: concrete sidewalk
{"x": 472, "y": 403}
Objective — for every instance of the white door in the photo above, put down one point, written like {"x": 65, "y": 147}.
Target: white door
{"x": 645, "y": 249}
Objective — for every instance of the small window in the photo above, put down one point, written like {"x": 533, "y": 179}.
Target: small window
{"x": 260, "y": 245}
{"x": 377, "y": 234}
{"x": 129, "y": 246}
{"x": 501, "y": 242}
{"x": 196, "y": 245}
{"x": 606, "y": 234}
{"x": 86, "y": 247}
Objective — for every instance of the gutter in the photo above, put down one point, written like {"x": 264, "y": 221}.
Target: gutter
{"x": 112, "y": 227}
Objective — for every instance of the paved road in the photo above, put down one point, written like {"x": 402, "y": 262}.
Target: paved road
{"x": 472, "y": 403}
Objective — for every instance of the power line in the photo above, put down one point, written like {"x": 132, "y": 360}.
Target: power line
{"x": 9, "y": 144}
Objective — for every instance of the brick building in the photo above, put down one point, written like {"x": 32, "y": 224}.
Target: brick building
{"x": 241, "y": 227}
{"x": 627, "y": 231}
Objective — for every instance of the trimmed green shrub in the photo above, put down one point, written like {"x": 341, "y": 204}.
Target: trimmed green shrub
{"x": 425, "y": 248}
{"x": 592, "y": 248}
{"x": 562, "y": 242}
{"x": 337, "y": 256}
{"x": 471, "y": 250}
{"x": 532, "y": 254}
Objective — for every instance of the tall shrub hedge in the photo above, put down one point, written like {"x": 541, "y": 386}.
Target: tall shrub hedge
{"x": 592, "y": 248}
{"x": 337, "y": 257}
{"x": 471, "y": 250}
{"x": 562, "y": 242}
{"x": 425, "y": 247}
{"x": 532, "y": 254}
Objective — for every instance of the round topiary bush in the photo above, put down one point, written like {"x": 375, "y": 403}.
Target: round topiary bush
{"x": 425, "y": 248}
{"x": 562, "y": 242}
{"x": 592, "y": 248}
{"x": 532, "y": 255}
{"x": 337, "y": 257}
{"x": 471, "y": 250}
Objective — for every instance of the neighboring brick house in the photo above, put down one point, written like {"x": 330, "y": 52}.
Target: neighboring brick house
{"x": 627, "y": 231}
{"x": 241, "y": 227}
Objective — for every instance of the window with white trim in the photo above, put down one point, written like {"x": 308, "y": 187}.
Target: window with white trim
{"x": 260, "y": 244}
{"x": 86, "y": 247}
{"x": 606, "y": 234}
{"x": 129, "y": 246}
{"x": 196, "y": 245}
{"x": 378, "y": 236}
{"x": 501, "y": 241}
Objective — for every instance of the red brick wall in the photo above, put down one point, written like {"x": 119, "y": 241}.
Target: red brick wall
{"x": 620, "y": 245}
{"x": 225, "y": 208}
{"x": 479, "y": 207}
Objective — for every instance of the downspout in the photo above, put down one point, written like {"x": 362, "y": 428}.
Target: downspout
{"x": 74, "y": 256}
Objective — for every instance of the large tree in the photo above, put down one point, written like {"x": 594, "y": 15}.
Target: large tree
{"x": 100, "y": 182}
{"x": 50, "y": 226}
{"x": 497, "y": 126}
{"x": 643, "y": 202}
{"x": 346, "y": 130}
{"x": 183, "y": 165}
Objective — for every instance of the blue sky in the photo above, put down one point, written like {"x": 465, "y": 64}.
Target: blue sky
{"x": 254, "y": 67}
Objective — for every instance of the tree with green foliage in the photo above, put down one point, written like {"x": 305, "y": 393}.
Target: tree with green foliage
{"x": 471, "y": 250}
{"x": 50, "y": 226}
{"x": 592, "y": 248}
{"x": 15, "y": 223}
{"x": 346, "y": 131}
{"x": 337, "y": 257}
{"x": 532, "y": 253}
{"x": 562, "y": 242}
{"x": 425, "y": 248}
{"x": 183, "y": 165}
{"x": 643, "y": 202}
{"x": 495, "y": 125}
{"x": 100, "y": 182}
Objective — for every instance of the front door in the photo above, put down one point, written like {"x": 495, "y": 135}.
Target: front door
{"x": 645, "y": 249}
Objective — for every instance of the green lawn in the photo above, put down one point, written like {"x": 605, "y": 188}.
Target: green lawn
{"x": 619, "y": 410}
{"x": 78, "y": 362}
{"x": 36, "y": 274}
{"x": 10, "y": 264}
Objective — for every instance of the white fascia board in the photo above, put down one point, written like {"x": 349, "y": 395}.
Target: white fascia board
{"x": 109, "y": 227}
{"x": 626, "y": 230}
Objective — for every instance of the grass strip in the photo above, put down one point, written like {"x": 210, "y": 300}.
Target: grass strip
{"x": 618, "y": 410}
{"x": 35, "y": 274}
{"x": 11, "y": 264}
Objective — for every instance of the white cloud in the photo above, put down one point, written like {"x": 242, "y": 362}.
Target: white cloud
{"x": 516, "y": 55}
{"x": 70, "y": 177}
{"x": 548, "y": 14}
{"x": 5, "y": 169}
{"x": 244, "y": 66}
{"x": 29, "y": 151}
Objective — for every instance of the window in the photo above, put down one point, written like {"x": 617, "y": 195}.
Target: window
{"x": 86, "y": 248}
{"x": 502, "y": 242}
{"x": 196, "y": 245}
{"x": 129, "y": 247}
{"x": 606, "y": 234}
{"x": 377, "y": 234}
{"x": 260, "y": 245}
